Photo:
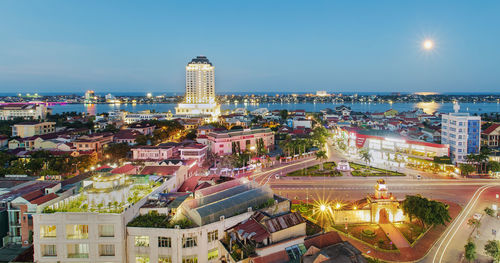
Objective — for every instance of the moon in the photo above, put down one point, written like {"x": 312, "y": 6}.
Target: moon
{"x": 428, "y": 44}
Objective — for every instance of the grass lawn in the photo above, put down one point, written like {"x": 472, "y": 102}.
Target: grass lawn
{"x": 328, "y": 170}
{"x": 372, "y": 235}
{"x": 411, "y": 231}
{"x": 364, "y": 170}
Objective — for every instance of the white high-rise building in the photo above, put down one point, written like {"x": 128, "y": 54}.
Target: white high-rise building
{"x": 462, "y": 132}
{"x": 200, "y": 90}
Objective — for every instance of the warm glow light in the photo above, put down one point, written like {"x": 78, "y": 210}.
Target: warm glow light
{"x": 322, "y": 208}
{"x": 337, "y": 206}
{"x": 428, "y": 44}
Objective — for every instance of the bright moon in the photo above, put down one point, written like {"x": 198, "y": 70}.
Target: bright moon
{"x": 428, "y": 44}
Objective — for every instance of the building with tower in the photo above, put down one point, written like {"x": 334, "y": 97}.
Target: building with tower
{"x": 200, "y": 90}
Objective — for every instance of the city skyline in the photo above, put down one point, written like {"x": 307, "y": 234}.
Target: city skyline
{"x": 256, "y": 46}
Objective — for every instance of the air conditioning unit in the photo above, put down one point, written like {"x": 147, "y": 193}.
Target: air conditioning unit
{"x": 221, "y": 218}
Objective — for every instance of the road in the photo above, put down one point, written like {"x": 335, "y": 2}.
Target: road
{"x": 472, "y": 194}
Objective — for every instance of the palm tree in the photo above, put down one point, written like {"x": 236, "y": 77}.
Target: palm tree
{"x": 321, "y": 156}
{"x": 365, "y": 155}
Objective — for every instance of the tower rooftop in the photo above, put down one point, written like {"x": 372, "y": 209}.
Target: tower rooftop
{"x": 200, "y": 60}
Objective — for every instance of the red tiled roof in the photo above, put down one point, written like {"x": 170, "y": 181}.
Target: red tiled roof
{"x": 160, "y": 170}
{"x": 33, "y": 195}
{"x": 123, "y": 169}
{"x": 103, "y": 167}
{"x": 44, "y": 199}
{"x": 492, "y": 128}
{"x": 189, "y": 184}
{"x": 278, "y": 257}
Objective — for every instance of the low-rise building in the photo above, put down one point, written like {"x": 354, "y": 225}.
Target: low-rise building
{"x": 93, "y": 142}
{"x": 491, "y": 136}
{"x": 222, "y": 142}
{"x": 196, "y": 151}
{"x": 152, "y": 153}
{"x": 23, "y": 110}
{"x": 28, "y": 129}
{"x": 188, "y": 230}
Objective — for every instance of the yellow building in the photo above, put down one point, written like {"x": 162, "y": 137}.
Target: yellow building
{"x": 29, "y": 129}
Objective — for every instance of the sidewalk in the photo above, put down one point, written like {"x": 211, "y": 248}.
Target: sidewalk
{"x": 395, "y": 236}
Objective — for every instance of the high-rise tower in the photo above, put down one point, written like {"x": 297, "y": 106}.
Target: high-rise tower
{"x": 200, "y": 89}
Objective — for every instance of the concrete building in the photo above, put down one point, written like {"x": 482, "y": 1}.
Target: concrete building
{"x": 153, "y": 153}
{"x": 200, "y": 90}
{"x": 28, "y": 129}
{"x": 210, "y": 212}
{"x": 23, "y": 110}
{"x": 462, "y": 132}
{"x": 91, "y": 226}
{"x": 222, "y": 142}
{"x": 491, "y": 136}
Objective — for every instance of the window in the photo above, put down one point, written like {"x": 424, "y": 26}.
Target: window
{"x": 47, "y": 231}
{"x": 213, "y": 235}
{"x": 106, "y": 230}
{"x": 49, "y": 250}
{"x": 213, "y": 254}
{"x": 164, "y": 259}
{"x": 190, "y": 259}
{"x": 164, "y": 242}
{"x": 189, "y": 242}
{"x": 106, "y": 250}
{"x": 78, "y": 251}
{"x": 142, "y": 259}
{"x": 142, "y": 241}
{"x": 77, "y": 231}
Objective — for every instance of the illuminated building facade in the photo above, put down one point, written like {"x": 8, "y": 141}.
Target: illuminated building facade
{"x": 463, "y": 133}
{"x": 200, "y": 90}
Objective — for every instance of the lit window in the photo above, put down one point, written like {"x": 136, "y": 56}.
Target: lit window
{"x": 190, "y": 259}
{"x": 106, "y": 231}
{"x": 106, "y": 250}
{"x": 77, "y": 231}
{"x": 142, "y": 259}
{"x": 49, "y": 250}
{"x": 142, "y": 241}
{"x": 47, "y": 231}
{"x": 213, "y": 254}
{"x": 164, "y": 259}
{"x": 78, "y": 250}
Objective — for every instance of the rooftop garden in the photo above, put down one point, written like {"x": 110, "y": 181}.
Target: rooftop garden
{"x": 365, "y": 170}
{"x": 238, "y": 250}
{"x": 82, "y": 203}
{"x": 155, "y": 220}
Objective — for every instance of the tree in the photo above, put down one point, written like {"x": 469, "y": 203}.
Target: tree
{"x": 470, "y": 251}
{"x": 466, "y": 169}
{"x": 489, "y": 211}
{"x": 494, "y": 166}
{"x": 429, "y": 212}
{"x": 117, "y": 151}
{"x": 365, "y": 155}
{"x": 492, "y": 249}
{"x": 321, "y": 156}
{"x": 283, "y": 114}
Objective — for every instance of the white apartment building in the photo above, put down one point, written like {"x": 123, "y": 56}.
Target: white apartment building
{"x": 29, "y": 129}
{"x": 95, "y": 231}
{"x": 23, "y": 110}
{"x": 462, "y": 132}
{"x": 200, "y": 89}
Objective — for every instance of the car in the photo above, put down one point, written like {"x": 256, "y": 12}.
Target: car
{"x": 277, "y": 176}
{"x": 419, "y": 177}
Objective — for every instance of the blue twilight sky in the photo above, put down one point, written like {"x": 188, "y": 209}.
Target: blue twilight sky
{"x": 283, "y": 46}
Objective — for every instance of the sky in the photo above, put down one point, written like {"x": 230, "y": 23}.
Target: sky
{"x": 256, "y": 46}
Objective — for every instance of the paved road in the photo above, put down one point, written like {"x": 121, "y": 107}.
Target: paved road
{"x": 396, "y": 237}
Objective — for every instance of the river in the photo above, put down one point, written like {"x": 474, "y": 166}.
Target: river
{"x": 428, "y": 107}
